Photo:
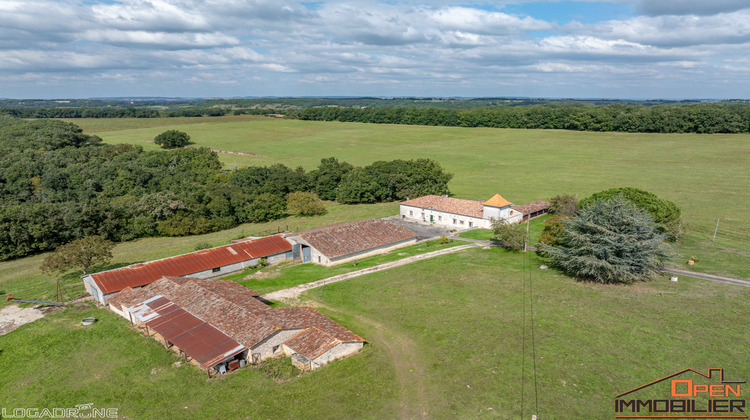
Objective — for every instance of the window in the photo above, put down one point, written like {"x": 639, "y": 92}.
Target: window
{"x": 462, "y": 222}
{"x": 440, "y": 218}
{"x": 411, "y": 213}
{"x": 319, "y": 260}
{"x": 471, "y": 224}
{"x": 454, "y": 221}
{"x": 216, "y": 270}
{"x": 423, "y": 215}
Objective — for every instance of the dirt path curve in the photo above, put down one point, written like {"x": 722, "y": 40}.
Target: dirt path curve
{"x": 294, "y": 292}
{"x": 406, "y": 363}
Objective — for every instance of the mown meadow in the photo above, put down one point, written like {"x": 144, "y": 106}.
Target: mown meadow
{"x": 448, "y": 337}
{"x": 708, "y": 176}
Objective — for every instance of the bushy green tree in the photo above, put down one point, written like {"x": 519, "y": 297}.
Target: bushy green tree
{"x": 171, "y": 139}
{"x": 265, "y": 207}
{"x": 304, "y": 204}
{"x": 554, "y": 228}
{"x": 563, "y": 204}
{"x": 511, "y": 235}
{"x": 610, "y": 241}
{"x": 82, "y": 253}
{"x": 664, "y": 212}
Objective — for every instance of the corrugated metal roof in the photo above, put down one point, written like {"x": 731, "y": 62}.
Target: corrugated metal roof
{"x": 144, "y": 273}
{"x": 195, "y": 337}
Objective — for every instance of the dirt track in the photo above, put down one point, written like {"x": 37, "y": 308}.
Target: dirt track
{"x": 13, "y": 316}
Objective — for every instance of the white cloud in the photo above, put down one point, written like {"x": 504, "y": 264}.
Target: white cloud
{"x": 433, "y": 47}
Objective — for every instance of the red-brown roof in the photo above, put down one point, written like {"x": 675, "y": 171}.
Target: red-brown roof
{"x": 351, "y": 237}
{"x": 532, "y": 207}
{"x": 198, "y": 339}
{"x": 448, "y": 205}
{"x": 144, "y": 273}
{"x": 312, "y": 342}
{"x": 233, "y": 309}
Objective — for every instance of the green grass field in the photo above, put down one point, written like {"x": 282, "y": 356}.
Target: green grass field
{"x": 288, "y": 274}
{"x": 708, "y": 176}
{"x": 446, "y": 339}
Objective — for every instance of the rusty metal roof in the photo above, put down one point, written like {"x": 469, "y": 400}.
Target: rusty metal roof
{"x": 195, "y": 337}
{"x": 141, "y": 274}
{"x": 346, "y": 238}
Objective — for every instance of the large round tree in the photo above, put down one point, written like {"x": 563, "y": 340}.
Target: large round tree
{"x": 171, "y": 139}
{"x": 610, "y": 241}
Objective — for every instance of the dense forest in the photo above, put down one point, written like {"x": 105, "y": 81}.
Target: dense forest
{"x": 706, "y": 118}
{"x": 568, "y": 114}
{"x": 58, "y": 184}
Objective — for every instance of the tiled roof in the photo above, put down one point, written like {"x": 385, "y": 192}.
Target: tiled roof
{"x": 448, "y": 204}
{"x": 497, "y": 200}
{"x": 532, "y": 207}
{"x": 350, "y": 237}
{"x": 233, "y": 309}
{"x": 312, "y": 342}
{"x": 304, "y": 316}
{"x": 144, "y": 273}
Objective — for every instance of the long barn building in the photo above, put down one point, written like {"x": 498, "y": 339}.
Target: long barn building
{"x": 207, "y": 263}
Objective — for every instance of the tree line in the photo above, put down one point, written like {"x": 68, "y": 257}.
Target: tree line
{"x": 58, "y": 184}
{"x": 704, "y": 118}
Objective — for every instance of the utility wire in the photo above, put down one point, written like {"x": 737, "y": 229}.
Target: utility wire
{"x": 533, "y": 339}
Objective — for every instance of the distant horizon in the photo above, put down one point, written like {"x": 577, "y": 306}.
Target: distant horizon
{"x": 228, "y": 98}
{"x": 550, "y": 49}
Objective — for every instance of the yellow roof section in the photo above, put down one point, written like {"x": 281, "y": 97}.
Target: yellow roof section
{"x": 497, "y": 201}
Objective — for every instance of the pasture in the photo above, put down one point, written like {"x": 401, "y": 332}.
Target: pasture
{"x": 448, "y": 337}
{"x": 708, "y": 176}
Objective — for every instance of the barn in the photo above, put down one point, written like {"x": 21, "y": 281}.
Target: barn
{"x": 251, "y": 331}
{"x": 348, "y": 241}
{"x": 207, "y": 263}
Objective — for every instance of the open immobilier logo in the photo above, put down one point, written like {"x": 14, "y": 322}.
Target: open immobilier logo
{"x": 692, "y": 395}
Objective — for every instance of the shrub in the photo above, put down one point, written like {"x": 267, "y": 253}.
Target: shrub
{"x": 511, "y": 235}
{"x": 444, "y": 240}
{"x": 553, "y": 230}
{"x": 202, "y": 245}
{"x": 564, "y": 204}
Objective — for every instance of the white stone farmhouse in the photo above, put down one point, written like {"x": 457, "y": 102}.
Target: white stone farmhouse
{"x": 459, "y": 214}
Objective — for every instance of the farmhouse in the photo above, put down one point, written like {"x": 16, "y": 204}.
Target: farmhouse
{"x": 458, "y": 213}
{"x": 347, "y": 241}
{"x": 221, "y": 325}
{"x": 206, "y": 263}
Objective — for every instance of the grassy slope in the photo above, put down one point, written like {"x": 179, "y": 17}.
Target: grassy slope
{"x": 706, "y": 175}
{"x": 430, "y": 349}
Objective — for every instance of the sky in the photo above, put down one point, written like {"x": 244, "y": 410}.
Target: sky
{"x": 637, "y": 49}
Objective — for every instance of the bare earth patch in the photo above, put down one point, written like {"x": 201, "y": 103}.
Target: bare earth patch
{"x": 13, "y": 316}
